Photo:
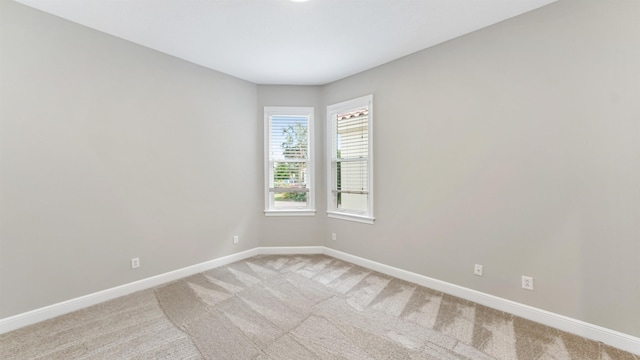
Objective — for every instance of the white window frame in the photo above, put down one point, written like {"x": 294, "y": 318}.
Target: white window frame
{"x": 332, "y": 210}
{"x": 270, "y": 209}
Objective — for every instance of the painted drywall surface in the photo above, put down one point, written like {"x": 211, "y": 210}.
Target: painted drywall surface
{"x": 295, "y": 230}
{"x": 111, "y": 151}
{"x": 515, "y": 147}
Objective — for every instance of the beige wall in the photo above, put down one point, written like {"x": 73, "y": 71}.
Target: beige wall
{"x": 111, "y": 151}
{"x": 515, "y": 147}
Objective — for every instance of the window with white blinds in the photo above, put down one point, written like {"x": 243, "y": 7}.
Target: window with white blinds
{"x": 289, "y": 161}
{"x": 349, "y": 165}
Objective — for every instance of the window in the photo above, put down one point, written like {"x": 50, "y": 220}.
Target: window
{"x": 289, "y": 174}
{"x": 349, "y": 162}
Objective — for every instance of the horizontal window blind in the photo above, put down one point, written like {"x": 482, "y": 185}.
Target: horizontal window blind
{"x": 288, "y": 161}
{"x": 351, "y": 159}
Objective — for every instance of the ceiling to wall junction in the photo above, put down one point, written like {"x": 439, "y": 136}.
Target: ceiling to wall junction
{"x": 285, "y": 42}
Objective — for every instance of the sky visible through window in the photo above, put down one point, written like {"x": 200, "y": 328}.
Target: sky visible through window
{"x": 279, "y": 124}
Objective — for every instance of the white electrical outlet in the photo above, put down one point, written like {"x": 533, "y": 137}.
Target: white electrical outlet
{"x": 236, "y": 239}
{"x": 135, "y": 263}
{"x": 477, "y": 269}
{"x": 527, "y": 282}
{"x": 334, "y": 237}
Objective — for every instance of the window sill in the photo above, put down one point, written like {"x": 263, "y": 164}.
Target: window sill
{"x": 351, "y": 217}
{"x": 303, "y": 212}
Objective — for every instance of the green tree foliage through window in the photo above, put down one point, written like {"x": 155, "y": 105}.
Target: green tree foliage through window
{"x": 295, "y": 142}
{"x": 294, "y": 146}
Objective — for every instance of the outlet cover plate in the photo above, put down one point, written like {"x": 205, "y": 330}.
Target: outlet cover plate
{"x": 527, "y": 283}
{"x": 477, "y": 270}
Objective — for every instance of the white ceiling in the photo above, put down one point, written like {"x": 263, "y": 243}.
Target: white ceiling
{"x": 285, "y": 42}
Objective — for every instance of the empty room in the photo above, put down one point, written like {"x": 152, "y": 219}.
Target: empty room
{"x": 320, "y": 179}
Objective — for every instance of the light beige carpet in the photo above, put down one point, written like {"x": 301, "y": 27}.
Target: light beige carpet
{"x": 295, "y": 307}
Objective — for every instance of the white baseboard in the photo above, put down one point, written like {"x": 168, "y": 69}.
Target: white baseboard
{"x": 578, "y": 327}
{"x": 65, "y": 307}
{"x": 291, "y": 250}
{"x": 594, "y": 332}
